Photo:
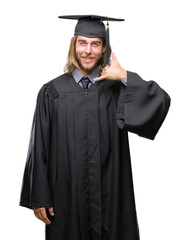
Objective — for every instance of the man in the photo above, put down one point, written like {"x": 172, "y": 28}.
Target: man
{"x": 78, "y": 177}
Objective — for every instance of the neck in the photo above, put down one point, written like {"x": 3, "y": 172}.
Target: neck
{"x": 85, "y": 72}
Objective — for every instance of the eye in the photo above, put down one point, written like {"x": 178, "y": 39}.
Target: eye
{"x": 96, "y": 44}
{"x": 82, "y": 43}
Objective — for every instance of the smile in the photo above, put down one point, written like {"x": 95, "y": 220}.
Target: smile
{"x": 88, "y": 59}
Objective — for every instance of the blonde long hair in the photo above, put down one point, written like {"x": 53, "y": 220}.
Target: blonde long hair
{"x": 71, "y": 57}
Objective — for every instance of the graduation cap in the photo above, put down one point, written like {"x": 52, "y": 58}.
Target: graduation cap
{"x": 92, "y": 26}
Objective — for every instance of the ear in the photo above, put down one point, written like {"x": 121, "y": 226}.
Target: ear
{"x": 104, "y": 49}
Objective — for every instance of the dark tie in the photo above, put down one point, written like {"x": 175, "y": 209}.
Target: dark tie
{"x": 85, "y": 82}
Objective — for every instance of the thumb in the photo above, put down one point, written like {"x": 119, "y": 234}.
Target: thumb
{"x": 114, "y": 58}
{"x": 51, "y": 211}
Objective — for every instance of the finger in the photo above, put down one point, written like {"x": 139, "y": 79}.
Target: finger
{"x": 36, "y": 212}
{"x": 40, "y": 213}
{"x": 100, "y": 78}
{"x": 103, "y": 73}
{"x": 44, "y": 217}
{"x": 114, "y": 58}
{"x": 51, "y": 211}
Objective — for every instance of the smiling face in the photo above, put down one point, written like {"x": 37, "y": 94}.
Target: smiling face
{"x": 89, "y": 53}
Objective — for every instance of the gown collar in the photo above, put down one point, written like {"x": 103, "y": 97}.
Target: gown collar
{"x": 77, "y": 75}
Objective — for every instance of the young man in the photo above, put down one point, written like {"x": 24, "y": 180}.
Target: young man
{"x": 78, "y": 177}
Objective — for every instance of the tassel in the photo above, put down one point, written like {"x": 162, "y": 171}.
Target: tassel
{"x": 108, "y": 50}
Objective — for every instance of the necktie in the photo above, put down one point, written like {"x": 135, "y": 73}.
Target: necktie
{"x": 85, "y": 82}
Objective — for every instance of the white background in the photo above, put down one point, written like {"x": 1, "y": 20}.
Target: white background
{"x": 154, "y": 42}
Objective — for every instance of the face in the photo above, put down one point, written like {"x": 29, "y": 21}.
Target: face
{"x": 88, "y": 53}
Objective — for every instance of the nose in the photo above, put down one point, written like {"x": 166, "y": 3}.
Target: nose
{"x": 88, "y": 49}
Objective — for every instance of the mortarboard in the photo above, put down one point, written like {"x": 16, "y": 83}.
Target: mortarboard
{"x": 92, "y": 26}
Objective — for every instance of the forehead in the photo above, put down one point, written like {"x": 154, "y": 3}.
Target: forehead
{"x": 87, "y": 39}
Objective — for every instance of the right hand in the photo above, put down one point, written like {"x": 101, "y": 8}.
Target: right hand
{"x": 40, "y": 213}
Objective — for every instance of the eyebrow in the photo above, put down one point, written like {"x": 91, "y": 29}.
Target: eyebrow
{"x": 83, "y": 40}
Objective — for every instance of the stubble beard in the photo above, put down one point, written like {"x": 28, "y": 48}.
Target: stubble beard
{"x": 89, "y": 70}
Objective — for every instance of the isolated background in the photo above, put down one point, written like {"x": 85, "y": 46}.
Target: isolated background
{"x": 154, "y": 42}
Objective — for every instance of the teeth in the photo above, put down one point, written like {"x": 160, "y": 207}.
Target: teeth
{"x": 88, "y": 59}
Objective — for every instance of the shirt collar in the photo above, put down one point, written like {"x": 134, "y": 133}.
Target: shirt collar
{"x": 77, "y": 75}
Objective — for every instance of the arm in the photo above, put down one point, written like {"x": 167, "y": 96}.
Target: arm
{"x": 35, "y": 188}
{"x": 142, "y": 106}
{"x": 35, "y": 192}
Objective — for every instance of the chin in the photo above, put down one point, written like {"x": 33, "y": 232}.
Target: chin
{"x": 88, "y": 68}
{"x": 88, "y": 65}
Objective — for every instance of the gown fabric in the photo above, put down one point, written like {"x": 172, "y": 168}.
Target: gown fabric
{"x": 79, "y": 160}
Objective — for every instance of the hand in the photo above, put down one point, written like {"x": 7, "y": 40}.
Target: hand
{"x": 40, "y": 213}
{"x": 113, "y": 72}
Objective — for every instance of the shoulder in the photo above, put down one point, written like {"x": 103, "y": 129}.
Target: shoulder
{"x": 60, "y": 83}
{"x": 52, "y": 88}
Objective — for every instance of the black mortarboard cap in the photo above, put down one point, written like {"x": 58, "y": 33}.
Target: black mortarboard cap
{"x": 92, "y": 26}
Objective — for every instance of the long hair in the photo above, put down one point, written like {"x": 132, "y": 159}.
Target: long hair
{"x": 71, "y": 57}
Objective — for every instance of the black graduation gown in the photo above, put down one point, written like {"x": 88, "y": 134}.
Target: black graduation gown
{"x": 79, "y": 161}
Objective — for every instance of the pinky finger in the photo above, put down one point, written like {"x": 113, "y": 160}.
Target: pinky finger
{"x": 99, "y": 78}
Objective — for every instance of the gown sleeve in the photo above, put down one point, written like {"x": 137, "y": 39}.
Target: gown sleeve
{"x": 142, "y": 106}
{"x": 35, "y": 190}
